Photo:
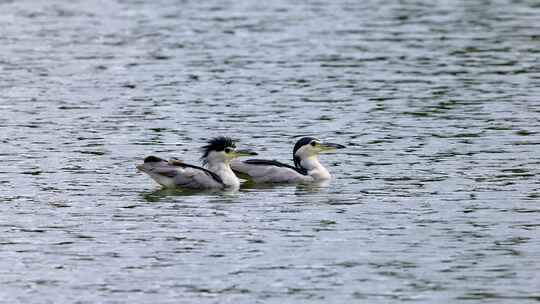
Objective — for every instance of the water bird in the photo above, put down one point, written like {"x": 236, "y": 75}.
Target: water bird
{"x": 216, "y": 159}
{"x": 306, "y": 169}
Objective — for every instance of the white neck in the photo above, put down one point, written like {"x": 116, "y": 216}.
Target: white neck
{"x": 224, "y": 171}
{"x": 315, "y": 168}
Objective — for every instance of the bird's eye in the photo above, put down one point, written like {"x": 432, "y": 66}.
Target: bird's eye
{"x": 227, "y": 150}
{"x": 313, "y": 143}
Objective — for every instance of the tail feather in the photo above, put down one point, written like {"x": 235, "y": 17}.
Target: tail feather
{"x": 156, "y": 168}
{"x": 152, "y": 159}
{"x": 149, "y": 163}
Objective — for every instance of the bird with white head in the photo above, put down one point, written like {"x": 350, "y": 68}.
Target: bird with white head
{"x": 306, "y": 169}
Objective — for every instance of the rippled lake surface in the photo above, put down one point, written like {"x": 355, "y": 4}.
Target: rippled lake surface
{"x": 435, "y": 199}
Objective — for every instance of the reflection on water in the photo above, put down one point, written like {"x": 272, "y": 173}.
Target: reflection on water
{"x": 433, "y": 200}
{"x": 309, "y": 187}
{"x": 166, "y": 193}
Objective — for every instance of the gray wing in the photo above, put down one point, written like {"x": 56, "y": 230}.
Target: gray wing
{"x": 269, "y": 171}
{"x": 177, "y": 174}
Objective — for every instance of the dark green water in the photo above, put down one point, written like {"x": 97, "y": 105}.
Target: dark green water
{"x": 435, "y": 200}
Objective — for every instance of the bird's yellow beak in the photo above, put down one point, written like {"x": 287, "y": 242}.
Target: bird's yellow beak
{"x": 239, "y": 153}
{"x": 329, "y": 146}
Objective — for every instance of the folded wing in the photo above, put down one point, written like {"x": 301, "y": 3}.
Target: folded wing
{"x": 269, "y": 171}
{"x": 175, "y": 173}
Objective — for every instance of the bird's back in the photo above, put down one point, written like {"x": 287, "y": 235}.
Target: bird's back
{"x": 177, "y": 174}
{"x": 268, "y": 171}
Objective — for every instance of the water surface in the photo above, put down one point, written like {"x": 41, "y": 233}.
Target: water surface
{"x": 435, "y": 200}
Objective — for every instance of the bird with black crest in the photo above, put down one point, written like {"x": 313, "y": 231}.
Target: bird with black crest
{"x": 216, "y": 172}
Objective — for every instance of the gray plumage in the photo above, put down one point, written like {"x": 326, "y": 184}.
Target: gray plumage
{"x": 269, "y": 171}
{"x": 174, "y": 173}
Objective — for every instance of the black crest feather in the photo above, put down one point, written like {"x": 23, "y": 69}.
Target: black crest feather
{"x": 217, "y": 144}
{"x": 299, "y": 144}
{"x": 152, "y": 159}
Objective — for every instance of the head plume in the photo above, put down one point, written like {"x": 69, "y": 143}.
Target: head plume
{"x": 216, "y": 144}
